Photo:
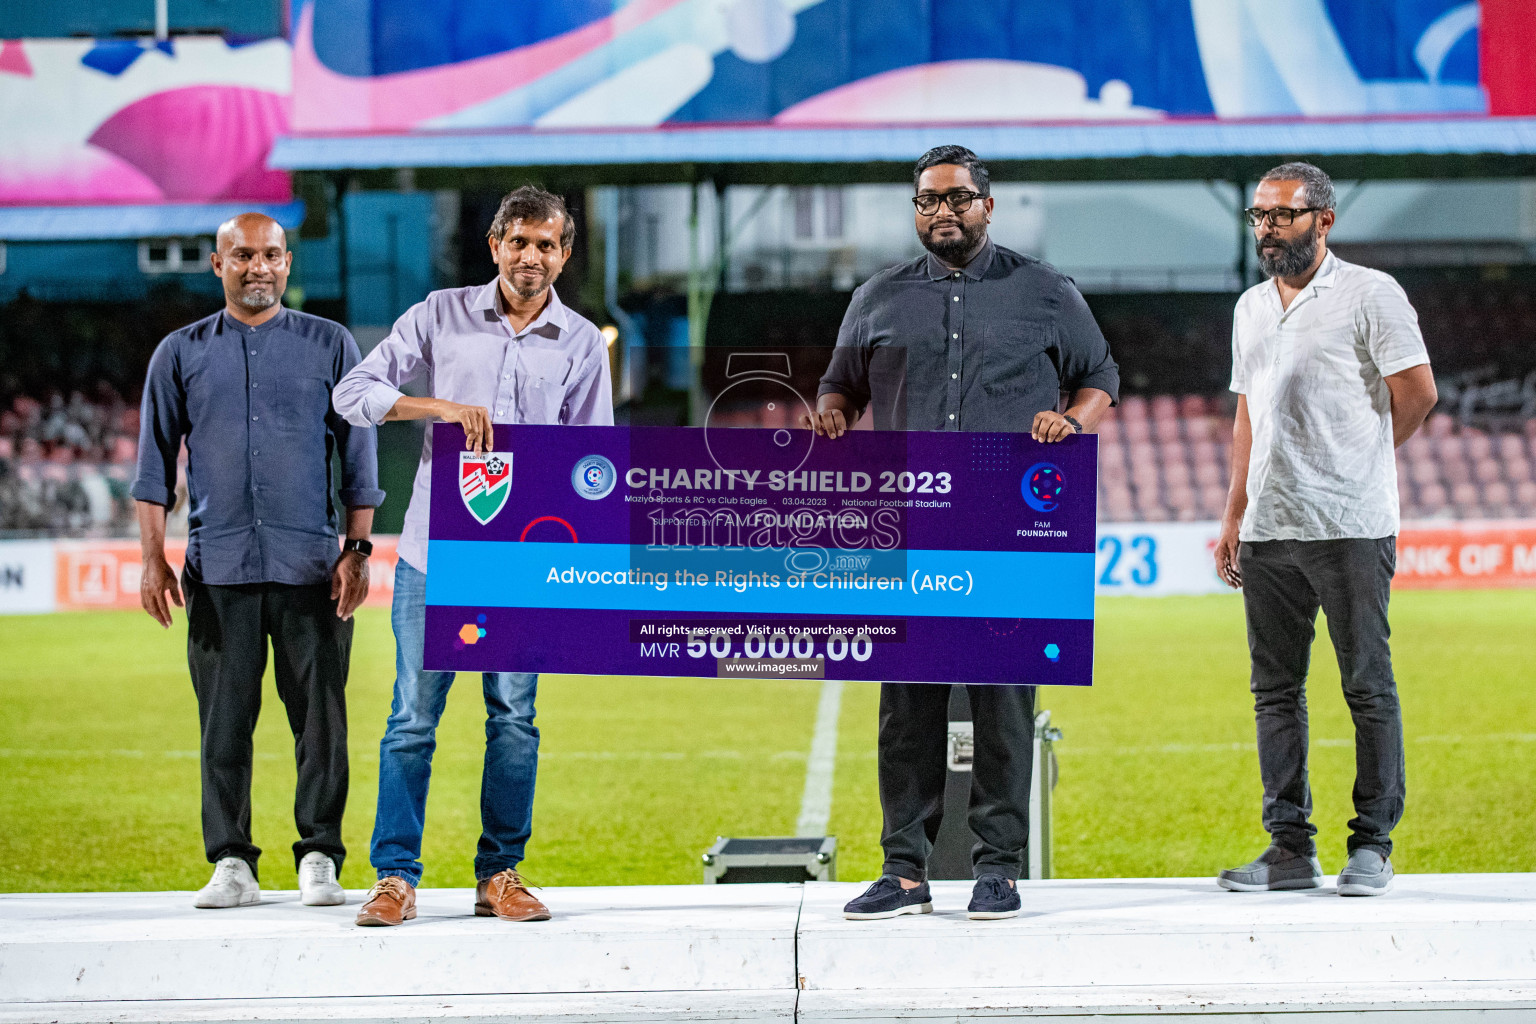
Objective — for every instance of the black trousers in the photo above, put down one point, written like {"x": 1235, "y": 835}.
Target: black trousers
{"x": 1284, "y": 584}
{"x": 914, "y": 728}
{"x": 227, "y": 632}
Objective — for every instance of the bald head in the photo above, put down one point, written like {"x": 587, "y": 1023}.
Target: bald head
{"x": 253, "y": 260}
{"x": 249, "y": 226}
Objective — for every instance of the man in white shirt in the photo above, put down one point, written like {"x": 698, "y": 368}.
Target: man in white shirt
{"x": 1331, "y": 375}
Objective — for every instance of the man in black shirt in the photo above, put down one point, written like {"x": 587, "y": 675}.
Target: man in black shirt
{"x": 249, "y": 391}
{"x": 970, "y": 336}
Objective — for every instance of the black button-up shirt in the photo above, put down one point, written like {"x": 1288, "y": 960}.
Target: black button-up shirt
{"x": 984, "y": 348}
{"x": 254, "y": 405}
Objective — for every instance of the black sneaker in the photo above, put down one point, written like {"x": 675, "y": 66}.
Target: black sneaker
{"x": 886, "y": 898}
{"x": 992, "y": 899}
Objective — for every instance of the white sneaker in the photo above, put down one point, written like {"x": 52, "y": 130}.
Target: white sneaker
{"x": 317, "y": 881}
{"x": 232, "y": 885}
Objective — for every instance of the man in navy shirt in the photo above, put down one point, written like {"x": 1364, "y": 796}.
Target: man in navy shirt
{"x": 249, "y": 392}
{"x": 969, "y": 336}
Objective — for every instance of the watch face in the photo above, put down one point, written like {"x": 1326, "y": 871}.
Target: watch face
{"x": 760, "y": 401}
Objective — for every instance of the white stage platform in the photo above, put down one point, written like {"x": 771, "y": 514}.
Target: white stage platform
{"x": 1439, "y": 947}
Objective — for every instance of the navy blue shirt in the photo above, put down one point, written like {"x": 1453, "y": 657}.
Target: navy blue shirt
{"x": 254, "y": 407}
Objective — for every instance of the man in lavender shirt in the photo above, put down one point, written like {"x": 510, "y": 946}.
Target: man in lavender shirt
{"x": 508, "y": 352}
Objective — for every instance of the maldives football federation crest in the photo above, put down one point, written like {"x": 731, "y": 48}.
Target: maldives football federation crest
{"x": 485, "y": 480}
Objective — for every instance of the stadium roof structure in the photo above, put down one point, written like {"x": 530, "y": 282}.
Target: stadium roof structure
{"x": 1421, "y": 146}
{"x": 105, "y": 223}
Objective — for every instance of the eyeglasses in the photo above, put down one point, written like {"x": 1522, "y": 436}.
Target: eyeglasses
{"x": 958, "y": 201}
{"x": 1280, "y": 216}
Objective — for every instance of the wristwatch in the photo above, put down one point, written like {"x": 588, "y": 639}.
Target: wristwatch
{"x": 362, "y": 547}
{"x": 1075, "y": 425}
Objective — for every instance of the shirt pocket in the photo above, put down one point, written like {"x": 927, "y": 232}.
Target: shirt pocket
{"x": 887, "y": 370}
{"x": 541, "y": 385}
{"x": 1014, "y": 357}
{"x": 300, "y": 404}
{"x": 887, "y": 387}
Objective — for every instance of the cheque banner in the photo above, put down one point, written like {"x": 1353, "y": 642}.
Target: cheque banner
{"x": 681, "y": 551}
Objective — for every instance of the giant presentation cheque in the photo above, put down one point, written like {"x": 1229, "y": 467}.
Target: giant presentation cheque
{"x": 678, "y": 551}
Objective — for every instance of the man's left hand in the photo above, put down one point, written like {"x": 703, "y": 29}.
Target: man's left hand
{"x": 1051, "y": 427}
{"x": 349, "y": 583}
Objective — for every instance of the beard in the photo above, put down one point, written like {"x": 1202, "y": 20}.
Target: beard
{"x": 256, "y": 301}
{"x": 1294, "y": 256}
{"x": 528, "y": 291}
{"x": 954, "y": 251}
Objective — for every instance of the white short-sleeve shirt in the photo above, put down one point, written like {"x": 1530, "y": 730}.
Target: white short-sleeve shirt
{"x": 1322, "y": 466}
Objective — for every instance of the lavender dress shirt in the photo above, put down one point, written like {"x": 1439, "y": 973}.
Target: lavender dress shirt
{"x": 555, "y": 370}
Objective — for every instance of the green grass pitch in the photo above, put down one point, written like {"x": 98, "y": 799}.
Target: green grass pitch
{"x": 99, "y": 791}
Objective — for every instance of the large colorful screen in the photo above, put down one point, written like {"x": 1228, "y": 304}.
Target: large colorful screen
{"x": 193, "y": 119}
{"x": 391, "y": 65}
{"x": 124, "y": 121}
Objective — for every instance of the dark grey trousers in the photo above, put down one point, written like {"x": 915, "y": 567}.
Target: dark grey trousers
{"x": 914, "y": 734}
{"x": 1284, "y": 584}
{"x": 227, "y": 632}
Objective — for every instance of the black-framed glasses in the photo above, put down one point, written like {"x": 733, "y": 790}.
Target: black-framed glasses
{"x": 1280, "y": 216}
{"x": 958, "y": 201}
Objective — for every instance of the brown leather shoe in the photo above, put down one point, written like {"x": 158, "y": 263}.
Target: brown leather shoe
{"x": 391, "y": 901}
{"x": 505, "y": 896}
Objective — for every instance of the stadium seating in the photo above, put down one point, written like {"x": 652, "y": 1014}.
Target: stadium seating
{"x": 1166, "y": 459}
{"x": 66, "y": 465}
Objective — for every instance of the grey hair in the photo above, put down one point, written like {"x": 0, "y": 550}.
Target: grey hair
{"x": 529, "y": 202}
{"x": 1319, "y": 187}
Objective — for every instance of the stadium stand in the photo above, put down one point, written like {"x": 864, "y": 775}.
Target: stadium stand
{"x": 1166, "y": 459}
{"x": 66, "y": 464}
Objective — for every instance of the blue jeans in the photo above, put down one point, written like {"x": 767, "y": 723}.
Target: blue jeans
{"x": 410, "y": 737}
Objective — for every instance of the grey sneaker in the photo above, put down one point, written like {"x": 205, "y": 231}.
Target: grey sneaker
{"x": 232, "y": 885}
{"x": 1368, "y": 873}
{"x": 1276, "y": 868}
{"x": 317, "y": 881}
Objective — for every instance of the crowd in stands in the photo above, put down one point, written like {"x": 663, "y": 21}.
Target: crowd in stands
{"x": 66, "y": 464}
{"x": 1167, "y": 459}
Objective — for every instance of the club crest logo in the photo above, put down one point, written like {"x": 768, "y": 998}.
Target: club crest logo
{"x": 593, "y": 477}
{"x": 1043, "y": 485}
{"x": 485, "y": 481}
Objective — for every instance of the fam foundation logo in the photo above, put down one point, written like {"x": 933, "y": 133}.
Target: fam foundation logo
{"x": 594, "y": 477}
{"x": 485, "y": 481}
{"x": 1043, "y": 485}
